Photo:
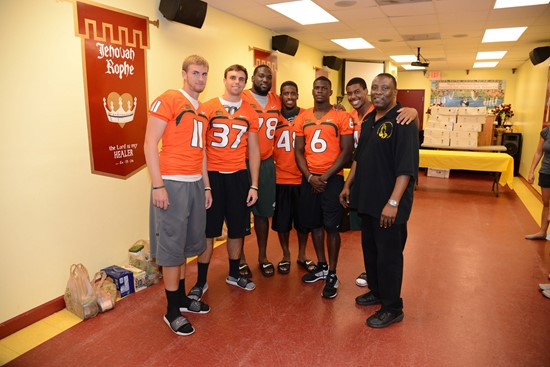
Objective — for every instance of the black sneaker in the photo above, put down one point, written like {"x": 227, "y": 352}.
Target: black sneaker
{"x": 368, "y": 299}
{"x": 318, "y": 273}
{"x": 382, "y": 319}
{"x": 331, "y": 286}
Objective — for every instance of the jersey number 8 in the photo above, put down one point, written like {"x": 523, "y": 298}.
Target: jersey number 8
{"x": 270, "y": 125}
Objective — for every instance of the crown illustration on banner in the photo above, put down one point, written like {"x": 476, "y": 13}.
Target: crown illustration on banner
{"x": 120, "y": 109}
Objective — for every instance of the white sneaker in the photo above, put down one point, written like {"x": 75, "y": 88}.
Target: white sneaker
{"x": 546, "y": 293}
{"x": 361, "y": 280}
{"x": 544, "y": 287}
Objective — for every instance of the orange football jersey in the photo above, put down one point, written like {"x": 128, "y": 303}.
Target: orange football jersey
{"x": 322, "y": 137}
{"x": 286, "y": 169}
{"x": 267, "y": 120}
{"x": 184, "y": 136}
{"x": 227, "y": 135}
{"x": 357, "y": 121}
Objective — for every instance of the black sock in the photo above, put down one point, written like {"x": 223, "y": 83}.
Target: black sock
{"x": 184, "y": 300}
{"x": 323, "y": 265}
{"x": 202, "y": 269}
{"x": 234, "y": 268}
{"x": 173, "y": 309}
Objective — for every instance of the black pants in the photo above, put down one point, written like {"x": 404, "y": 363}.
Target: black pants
{"x": 383, "y": 257}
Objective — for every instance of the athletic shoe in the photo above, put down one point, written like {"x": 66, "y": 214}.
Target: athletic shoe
{"x": 241, "y": 282}
{"x": 197, "y": 292}
{"x": 382, "y": 319}
{"x": 361, "y": 280}
{"x": 368, "y": 299}
{"x": 320, "y": 272}
{"x": 331, "y": 286}
{"x": 196, "y": 307}
{"x": 546, "y": 293}
{"x": 544, "y": 287}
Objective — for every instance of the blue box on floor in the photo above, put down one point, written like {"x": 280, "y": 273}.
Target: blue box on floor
{"x": 123, "y": 279}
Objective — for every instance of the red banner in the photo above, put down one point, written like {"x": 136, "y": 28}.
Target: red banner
{"x": 320, "y": 72}
{"x": 270, "y": 59}
{"x": 113, "y": 46}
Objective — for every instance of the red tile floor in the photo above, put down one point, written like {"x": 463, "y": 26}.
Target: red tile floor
{"x": 470, "y": 295}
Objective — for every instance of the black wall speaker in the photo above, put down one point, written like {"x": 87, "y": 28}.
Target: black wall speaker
{"x": 332, "y": 62}
{"x": 539, "y": 54}
{"x": 285, "y": 44}
{"x": 512, "y": 142}
{"x": 190, "y": 12}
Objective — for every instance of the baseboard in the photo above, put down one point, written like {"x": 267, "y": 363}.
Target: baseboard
{"x": 30, "y": 317}
{"x": 531, "y": 188}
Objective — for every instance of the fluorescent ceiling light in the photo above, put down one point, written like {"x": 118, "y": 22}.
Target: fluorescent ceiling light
{"x": 404, "y": 58}
{"x": 410, "y": 67}
{"x": 503, "y": 34}
{"x": 353, "y": 43}
{"x": 501, "y": 4}
{"x": 490, "y": 55}
{"x": 485, "y": 64}
{"x": 304, "y": 12}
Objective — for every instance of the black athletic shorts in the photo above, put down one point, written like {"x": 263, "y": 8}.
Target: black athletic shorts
{"x": 229, "y": 193}
{"x": 324, "y": 209}
{"x": 544, "y": 180}
{"x": 287, "y": 201}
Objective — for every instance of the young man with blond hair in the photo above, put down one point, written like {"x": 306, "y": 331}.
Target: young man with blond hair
{"x": 178, "y": 178}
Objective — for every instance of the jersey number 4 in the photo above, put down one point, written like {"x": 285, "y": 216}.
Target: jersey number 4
{"x": 223, "y": 135}
{"x": 285, "y": 142}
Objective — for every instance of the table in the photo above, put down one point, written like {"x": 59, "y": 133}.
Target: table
{"x": 481, "y": 148}
{"x": 500, "y": 163}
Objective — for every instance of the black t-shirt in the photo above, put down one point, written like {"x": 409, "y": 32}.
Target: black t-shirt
{"x": 385, "y": 151}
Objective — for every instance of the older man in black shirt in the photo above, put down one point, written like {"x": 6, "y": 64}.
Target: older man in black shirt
{"x": 383, "y": 174}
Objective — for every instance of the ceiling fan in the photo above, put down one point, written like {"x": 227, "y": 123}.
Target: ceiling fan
{"x": 420, "y": 61}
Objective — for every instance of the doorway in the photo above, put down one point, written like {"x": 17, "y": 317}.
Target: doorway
{"x": 413, "y": 98}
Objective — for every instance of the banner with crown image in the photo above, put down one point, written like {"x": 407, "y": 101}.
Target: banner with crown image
{"x": 268, "y": 58}
{"x": 114, "y": 43}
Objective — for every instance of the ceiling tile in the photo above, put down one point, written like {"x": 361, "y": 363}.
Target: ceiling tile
{"x": 402, "y": 10}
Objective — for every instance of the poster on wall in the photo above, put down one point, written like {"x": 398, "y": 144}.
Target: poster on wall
{"x": 468, "y": 93}
{"x": 262, "y": 57}
{"x": 546, "y": 116}
{"x": 114, "y": 43}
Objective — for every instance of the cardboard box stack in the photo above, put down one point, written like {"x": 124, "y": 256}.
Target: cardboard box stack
{"x": 454, "y": 126}
{"x": 469, "y": 124}
{"x": 440, "y": 125}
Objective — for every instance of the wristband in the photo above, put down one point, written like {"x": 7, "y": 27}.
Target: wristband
{"x": 207, "y": 188}
{"x": 158, "y": 187}
{"x": 254, "y": 187}
{"x": 309, "y": 177}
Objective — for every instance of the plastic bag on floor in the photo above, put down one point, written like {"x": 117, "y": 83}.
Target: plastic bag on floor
{"x": 105, "y": 291}
{"x": 79, "y": 296}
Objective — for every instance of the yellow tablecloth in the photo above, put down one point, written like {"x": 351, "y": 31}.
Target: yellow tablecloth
{"x": 473, "y": 161}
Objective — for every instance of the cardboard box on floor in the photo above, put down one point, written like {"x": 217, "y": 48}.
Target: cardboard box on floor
{"x": 439, "y": 172}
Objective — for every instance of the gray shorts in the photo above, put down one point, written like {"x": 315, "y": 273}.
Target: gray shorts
{"x": 178, "y": 232}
